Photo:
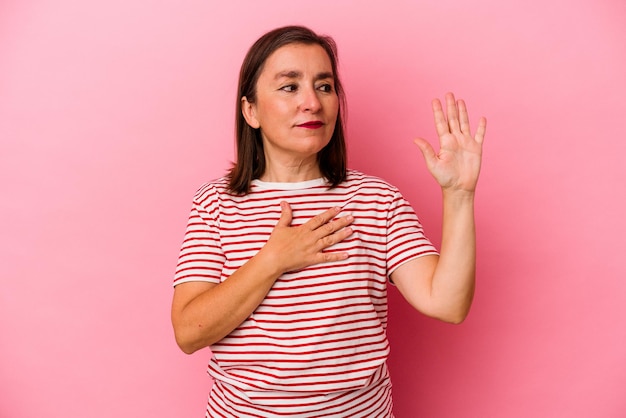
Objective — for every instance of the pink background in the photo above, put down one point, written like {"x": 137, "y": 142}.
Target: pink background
{"x": 113, "y": 113}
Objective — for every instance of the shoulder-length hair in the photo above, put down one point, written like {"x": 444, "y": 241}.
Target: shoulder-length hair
{"x": 250, "y": 160}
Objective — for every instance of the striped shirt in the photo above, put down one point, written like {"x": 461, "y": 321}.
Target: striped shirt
{"x": 316, "y": 346}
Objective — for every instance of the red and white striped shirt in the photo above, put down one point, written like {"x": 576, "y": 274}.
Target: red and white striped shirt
{"x": 316, "y": 346}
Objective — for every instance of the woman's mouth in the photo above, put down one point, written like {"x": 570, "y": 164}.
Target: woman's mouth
{"x": 315, "y": 124}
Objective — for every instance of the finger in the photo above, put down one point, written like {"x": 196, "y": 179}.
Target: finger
{"x": 441, "y": 124}
{"x": 430, "y": 156}
{"x": 286, "y": 214}
{"x": 464, "y": 118}
{"x": 319, "y": 220}
{"x": 324, "y": 256}
{"x": 453, "y": 113}
{"x": 480, "y": 132}
{"x": 327, "y": 257}
{"x": 329, "y": 228}
{"x": 335, "y": 238}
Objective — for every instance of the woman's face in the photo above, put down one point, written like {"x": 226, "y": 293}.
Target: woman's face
{"x": 296, "y": 103}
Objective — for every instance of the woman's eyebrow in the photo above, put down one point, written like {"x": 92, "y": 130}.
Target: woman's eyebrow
{"x": 289, "y": 74}
{"x": 298, "y": 74}
{"x": 324, "y": 75}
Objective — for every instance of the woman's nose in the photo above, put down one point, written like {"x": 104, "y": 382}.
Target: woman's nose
{"x": 310, "y": 101}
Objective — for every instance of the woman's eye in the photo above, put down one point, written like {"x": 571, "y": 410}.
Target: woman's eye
{"x": 326, "y": 88}
{"x": 289, "y": 88}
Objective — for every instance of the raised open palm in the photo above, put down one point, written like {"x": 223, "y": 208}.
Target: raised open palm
{"x": 457, "y": 164}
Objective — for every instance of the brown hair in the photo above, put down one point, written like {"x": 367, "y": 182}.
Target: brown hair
{"x": 250, "y": 162}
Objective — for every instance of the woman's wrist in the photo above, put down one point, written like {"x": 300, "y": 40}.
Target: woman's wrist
{"x": 458, "y": 196}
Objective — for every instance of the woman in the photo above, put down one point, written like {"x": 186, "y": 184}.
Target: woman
{"x": 284, "y": 265}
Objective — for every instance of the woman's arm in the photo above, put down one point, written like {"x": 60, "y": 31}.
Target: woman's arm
{"x": 204, "y": 313}
{"x": 443, "y": 287}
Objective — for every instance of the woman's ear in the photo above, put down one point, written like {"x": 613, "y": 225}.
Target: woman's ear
{"x": 248, "y": 110}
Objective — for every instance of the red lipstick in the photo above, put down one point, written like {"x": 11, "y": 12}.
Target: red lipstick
{"x": 314, "y": 124}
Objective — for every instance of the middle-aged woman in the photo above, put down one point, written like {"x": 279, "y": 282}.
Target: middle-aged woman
{"x": 285, "y": 262}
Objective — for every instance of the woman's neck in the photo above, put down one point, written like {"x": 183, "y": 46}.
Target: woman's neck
{"x": 290, "y": 172}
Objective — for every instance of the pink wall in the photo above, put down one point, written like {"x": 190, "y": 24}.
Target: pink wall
{"x": 113, "y": 113}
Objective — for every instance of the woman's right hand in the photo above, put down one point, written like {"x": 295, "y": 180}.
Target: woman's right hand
{"x": 295, "y": 247}
{"x": 204, "y": 313}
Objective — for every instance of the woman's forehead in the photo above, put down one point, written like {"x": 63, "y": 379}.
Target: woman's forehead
{"x": 295, "y": 60}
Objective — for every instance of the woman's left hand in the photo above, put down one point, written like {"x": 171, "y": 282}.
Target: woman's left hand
{"x": 457, "y": 164}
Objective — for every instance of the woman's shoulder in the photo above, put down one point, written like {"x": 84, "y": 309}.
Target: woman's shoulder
{"x": 212, "y": 190}
{"x": 355, "y": 177}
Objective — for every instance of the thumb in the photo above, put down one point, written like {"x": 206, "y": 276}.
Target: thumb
{"x": 285, "y": 214}
{"x": 430, "y": 156}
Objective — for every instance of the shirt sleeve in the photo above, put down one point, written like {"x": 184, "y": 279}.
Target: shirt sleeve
{"x": 405, "y": 236}
{"x": 201, "y": 257}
